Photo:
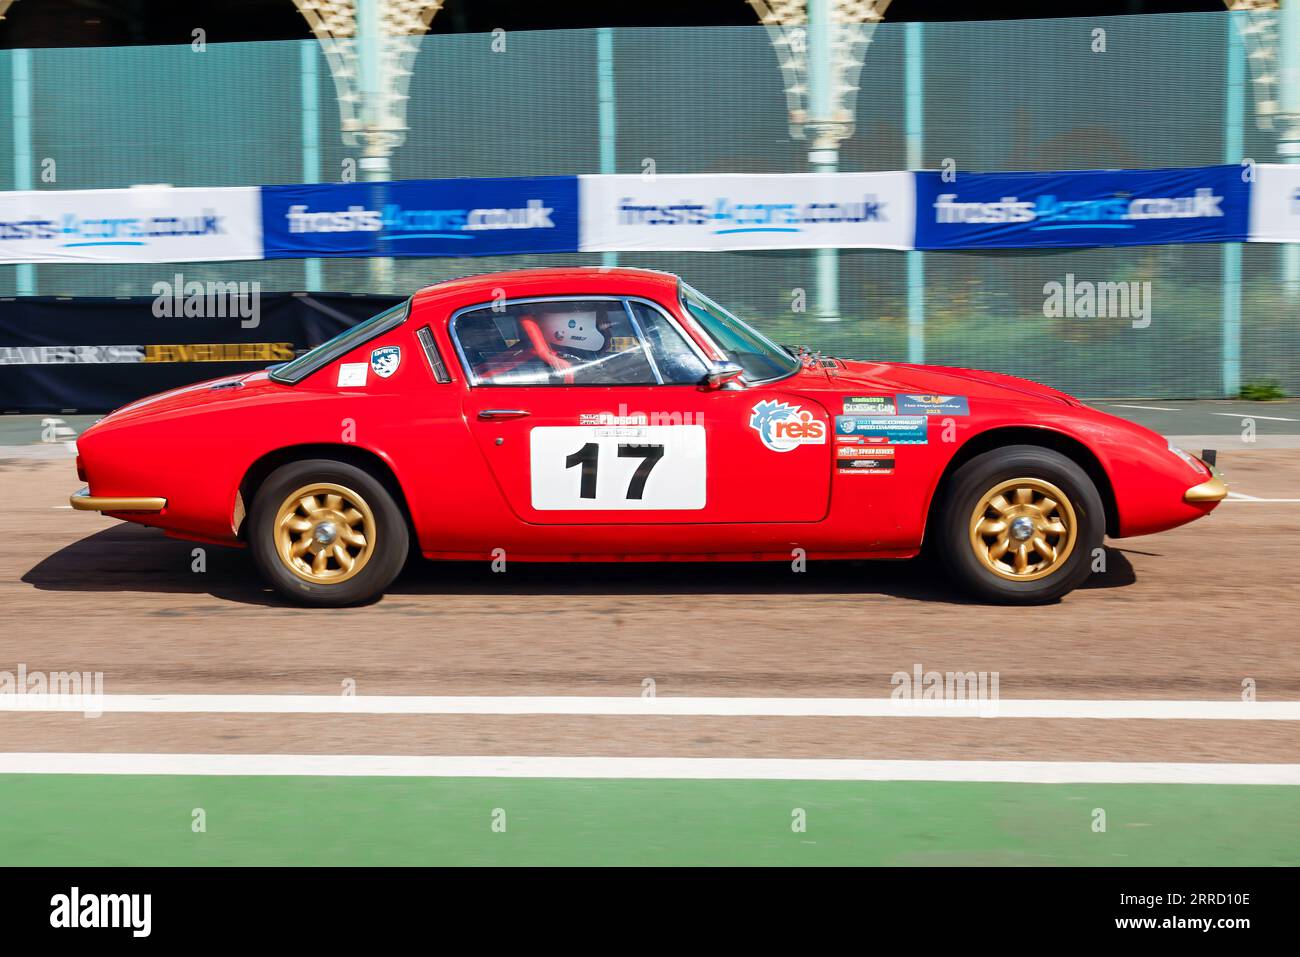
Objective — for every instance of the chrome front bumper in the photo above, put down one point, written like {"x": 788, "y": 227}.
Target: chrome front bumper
{"x": 86, "y": 502}
{"x": 1214, "y": 490}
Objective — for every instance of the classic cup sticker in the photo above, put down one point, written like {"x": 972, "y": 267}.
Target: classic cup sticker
{"x": 783, "y": 426}
{"x": 912, "y": 404}
{"x": 869, "y": 405}
{"x": 385, "y": 360}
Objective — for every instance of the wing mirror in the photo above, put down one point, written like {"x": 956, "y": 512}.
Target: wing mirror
{"x": 721, "y": 374}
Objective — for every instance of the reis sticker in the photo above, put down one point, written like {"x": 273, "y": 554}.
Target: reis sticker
{"x": 782, "y": 426}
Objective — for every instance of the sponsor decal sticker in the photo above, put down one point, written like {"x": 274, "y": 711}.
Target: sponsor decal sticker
{"x": 864, "y": 460}
{"x": 385, "y": 360}
{"x": 864, "y": 452}
{"x": 609, "y": 418}
{"x": 927, "y": 404}
{"x": 894, "y": 430}
{"x": 869, "y": 405}
{"x": 352, "y": 374}
{"x": 783, "y": 426}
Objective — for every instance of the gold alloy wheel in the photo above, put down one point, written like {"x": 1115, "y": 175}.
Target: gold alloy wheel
{"x": 324, "y": 533}
{"x": 1023, "y": 529}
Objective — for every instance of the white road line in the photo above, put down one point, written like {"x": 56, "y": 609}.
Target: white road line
{"x": 1252, "y": 415}
{"x": 1156, "y": 709}
{"x": 1234, "y": 443}
{"x": 785, "y": 769}
{"x": 35, "y": 452}
{"x": 1148, "y": 408}
{"x": 1238, "y": 497}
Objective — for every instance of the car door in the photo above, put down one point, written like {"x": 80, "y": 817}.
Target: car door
{"x": 589, "y": 410}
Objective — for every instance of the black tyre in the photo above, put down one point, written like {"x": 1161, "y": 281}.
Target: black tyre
{"x": 327, "y": 533}
{"x": 1019, "y": 525}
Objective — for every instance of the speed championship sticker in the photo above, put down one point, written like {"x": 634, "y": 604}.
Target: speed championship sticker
{"x": 864, "y": 460}
{"x": 881, "y": 430}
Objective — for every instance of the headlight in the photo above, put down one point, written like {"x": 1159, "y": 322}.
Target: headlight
{"x": 1190, "y": 459}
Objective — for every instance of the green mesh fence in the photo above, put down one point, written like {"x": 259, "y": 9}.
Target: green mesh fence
{"x": 1028, "y": 95}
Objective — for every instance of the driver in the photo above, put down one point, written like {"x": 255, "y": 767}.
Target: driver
{"x": 553, "y": 339}
{"x": 576, "y": 335}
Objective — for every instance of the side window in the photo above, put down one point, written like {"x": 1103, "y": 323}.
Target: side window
{"x": 554, "y": 342}
{"x": 678, "y": 363}
{"x": 431, "y": 354}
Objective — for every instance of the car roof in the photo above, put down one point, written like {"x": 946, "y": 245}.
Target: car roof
{"x": 552, "y": 281}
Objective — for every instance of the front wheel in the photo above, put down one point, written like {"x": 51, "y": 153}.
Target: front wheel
{"x": 1019, "y": 525}
{"x": 327, "y": 533}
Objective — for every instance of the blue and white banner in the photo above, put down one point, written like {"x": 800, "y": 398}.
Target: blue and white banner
{"x": 705, "y": 212}
{"x": 447, "y": 217}
{"x": 140, "y": 225}
{"x": 1275, "y": 204}
{"x": 1208, "y": 204}
{"x": 744, "y": 211}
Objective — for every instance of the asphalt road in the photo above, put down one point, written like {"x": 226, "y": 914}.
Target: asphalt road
{"x": 1188, "y": 614}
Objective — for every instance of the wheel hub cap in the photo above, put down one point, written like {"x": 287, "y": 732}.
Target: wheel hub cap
{"x": 324, "y": 533}
{"x": 1023, "y": 529}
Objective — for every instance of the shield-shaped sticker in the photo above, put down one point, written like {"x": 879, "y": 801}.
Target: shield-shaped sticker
{"x": 385, "y": 360}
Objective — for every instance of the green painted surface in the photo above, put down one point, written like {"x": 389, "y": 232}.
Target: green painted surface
{"x": 146, "y": 820}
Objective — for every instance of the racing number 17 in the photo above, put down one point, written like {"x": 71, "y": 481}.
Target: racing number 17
{"x": 589, "y": 456}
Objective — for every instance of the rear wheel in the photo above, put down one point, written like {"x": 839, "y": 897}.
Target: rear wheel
{"x": 327, "y": 533}
{"x": 1019, "y": 525}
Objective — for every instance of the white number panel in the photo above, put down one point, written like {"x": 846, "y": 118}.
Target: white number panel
{"x": 617, "y": 468}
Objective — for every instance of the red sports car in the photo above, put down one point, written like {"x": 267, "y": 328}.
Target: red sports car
{"x": 586, "y": 414}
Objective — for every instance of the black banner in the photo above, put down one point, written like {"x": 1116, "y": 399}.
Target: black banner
{"x": 95, "y": 354}
{"x": 923, "y": 910}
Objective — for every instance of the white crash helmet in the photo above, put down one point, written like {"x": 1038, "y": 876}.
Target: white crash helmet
{"x": 572, "y": 330}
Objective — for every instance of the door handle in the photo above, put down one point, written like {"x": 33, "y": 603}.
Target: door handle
{"x": 503, "y": 413}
